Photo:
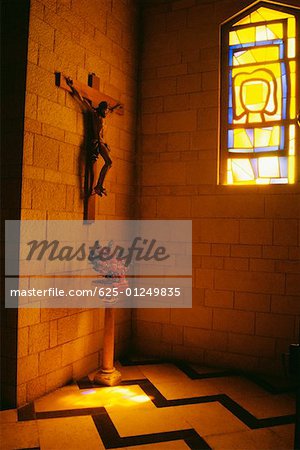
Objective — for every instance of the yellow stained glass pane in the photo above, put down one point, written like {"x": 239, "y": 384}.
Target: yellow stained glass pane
{"x": 291, "y": 48}
{"x": 271, "y": 14}
{"x": 255, "y": 93}
{"x": 245, "y": 57}
{"x": 261, "y": 33}
{"x": 292, "y": 140}
{"x": 275, "y": 136}
{"x": 292, "y": 66}
{"x": 243, "y": 21}
{"x": 254, "y": 118}
{"x": 291, "y": 169}
{"x": 263, "y": 14}
{"x": 241, "y": 139}
{"x": 291, "y": 28}
{"x": 268, "y": 167}
{"x": 256, "y": 17}
{"x": 246, "y": 35}
{"x": 292, "y": 107}
{"x": 229, "y": 172}
{"x": 262, "y": 137}
{"x": 242, "y": 170}
{"x": 233, "y": 38}
{"x": 277, "y": 30}
{"x": 262, "y": 54}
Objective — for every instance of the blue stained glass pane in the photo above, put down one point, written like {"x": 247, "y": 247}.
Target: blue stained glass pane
{"x": 230, "y": 97}
{"x": 230, "y": 78}
{"x": 281, "y": 138}
{"x": 257, "y": 44}
{"x": 279, "y": 181}
{"x": 230, "y": 138}
{"x": 284, "y": 86}
{"x": 281, "y": 51}
{"x": 230, "y": 115}
{"x": 282, "y": 65}
{"x": 230, "y": 57}
{"x": 266, "y": 149}
{"x": 284, "y": 108}
{"x": 250, "y": 134}
{"x": 253, "y": 162}
{"x": 283, "y": 164}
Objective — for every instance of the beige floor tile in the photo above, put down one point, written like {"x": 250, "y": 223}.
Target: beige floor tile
{"x": 109, "y": 397}
{"x": 8, "y": 416}
{"x": 19, "y": 435}
{"x": 189, "y": 388}
{"x": 205, "y": 369}
{"x": 155, "y": 421}
{"x": 286, "y": 433}
{"x": 269, "y": 405}
{"x": 130, "y": 372}
{"x": 211, "y": 418}
{"x": 163, "y": 373}
{"x": 70, "y": 433}
{"x": 238, "y": 386}
{"x": 264, "y": 439}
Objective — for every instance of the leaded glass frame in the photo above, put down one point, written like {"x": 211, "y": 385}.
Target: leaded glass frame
{"x": 259, "y": 136}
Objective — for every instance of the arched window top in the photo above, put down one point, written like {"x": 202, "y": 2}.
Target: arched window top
{"x": 259, "y": 96}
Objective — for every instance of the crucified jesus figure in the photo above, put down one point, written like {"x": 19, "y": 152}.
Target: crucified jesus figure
{"x": 97, "y": 146}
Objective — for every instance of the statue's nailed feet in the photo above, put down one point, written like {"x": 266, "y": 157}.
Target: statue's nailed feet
{"x": 100, "y": 190}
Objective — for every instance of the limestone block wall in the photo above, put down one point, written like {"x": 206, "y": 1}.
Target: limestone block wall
{"x": 75, "y": 37}
{"x": 246, "y": 282}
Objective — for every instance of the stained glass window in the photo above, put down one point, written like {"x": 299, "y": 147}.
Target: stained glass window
{"x": 260, "y": 96}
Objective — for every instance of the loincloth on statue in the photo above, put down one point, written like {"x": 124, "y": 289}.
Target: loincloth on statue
{"x": 98, "y": 148}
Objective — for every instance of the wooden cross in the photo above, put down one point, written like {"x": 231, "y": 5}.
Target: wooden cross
{"x": 94, "y": 96}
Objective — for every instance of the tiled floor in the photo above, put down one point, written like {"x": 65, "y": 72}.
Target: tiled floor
{"x": 157, "y": 407}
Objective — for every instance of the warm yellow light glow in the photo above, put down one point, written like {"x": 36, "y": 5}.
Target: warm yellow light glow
{"x": 268, "y": 167}
{"x": 120, "y": 396}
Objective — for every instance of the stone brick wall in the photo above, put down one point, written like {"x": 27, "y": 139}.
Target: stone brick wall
{"x": 246, "y": 282}
{"x": 75, "y": 37}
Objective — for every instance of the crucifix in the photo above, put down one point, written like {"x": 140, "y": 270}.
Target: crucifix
{"x": 89, "y": 95}
{"x": 97, "y": 105}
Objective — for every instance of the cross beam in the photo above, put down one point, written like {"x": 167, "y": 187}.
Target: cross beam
{"x": 91, "y": 93}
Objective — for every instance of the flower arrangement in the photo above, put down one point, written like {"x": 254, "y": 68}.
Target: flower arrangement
{"x": 112, "y": 270}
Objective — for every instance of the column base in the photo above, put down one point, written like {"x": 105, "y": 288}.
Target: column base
{"x": 108, "y": 377}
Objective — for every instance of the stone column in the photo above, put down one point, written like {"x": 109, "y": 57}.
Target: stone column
{"x": 108, "y": 375}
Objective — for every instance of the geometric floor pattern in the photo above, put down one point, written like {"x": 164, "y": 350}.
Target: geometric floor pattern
{"x": 159, "y": 406}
